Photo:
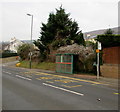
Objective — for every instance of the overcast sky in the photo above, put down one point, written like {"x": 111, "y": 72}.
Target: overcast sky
{"x": 89, "y": 14}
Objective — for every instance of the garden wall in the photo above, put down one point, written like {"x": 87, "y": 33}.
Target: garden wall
{"x": 111, "y": 60}
{"x": 110, "y": 70}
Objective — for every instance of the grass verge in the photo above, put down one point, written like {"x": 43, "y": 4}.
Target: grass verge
{"x": 42, "y": 65}
{"x": 8, "y": 59}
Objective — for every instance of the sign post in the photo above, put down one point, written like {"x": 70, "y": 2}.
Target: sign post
{"x": 98, "y": 60}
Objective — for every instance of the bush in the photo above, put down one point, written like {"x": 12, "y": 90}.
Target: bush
{"x": 109, "y": 40}
{"x": 86, "y": 56}
{"x": 24, "y": 50}
{"x": 5, "y": 55}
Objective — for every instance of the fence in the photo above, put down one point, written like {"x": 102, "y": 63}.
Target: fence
{"x": 111, "y": 55}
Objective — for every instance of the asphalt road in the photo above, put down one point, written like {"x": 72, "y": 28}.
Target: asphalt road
{"x": 24, "y": 89}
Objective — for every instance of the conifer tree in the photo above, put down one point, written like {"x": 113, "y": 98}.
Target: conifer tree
{"x": 59, "y": 30}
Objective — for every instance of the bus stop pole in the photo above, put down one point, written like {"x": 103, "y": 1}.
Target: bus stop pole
{"x": 98, "y": 59}
{"x": 98, "y": 74}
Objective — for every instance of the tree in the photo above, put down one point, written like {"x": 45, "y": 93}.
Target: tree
{"x": 43, "y": 50}
{"x": 60, "y": 30}
{"x": 109, "y": 31}
{"x": 24, "y": 50}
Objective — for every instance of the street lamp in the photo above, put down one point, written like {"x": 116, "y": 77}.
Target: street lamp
{"x": 31, "y": 37}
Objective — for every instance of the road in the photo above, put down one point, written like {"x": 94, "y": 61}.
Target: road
{"x": 24, "y": 89}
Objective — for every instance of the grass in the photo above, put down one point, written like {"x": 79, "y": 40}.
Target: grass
{"x": 25, "y": 64}
{"x": 42, "y": 65}
{"x": 8, "y": 59}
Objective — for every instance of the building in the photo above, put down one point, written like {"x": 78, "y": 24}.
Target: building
{"x": 13, "y": 45}
{"x": 91, "y": 38}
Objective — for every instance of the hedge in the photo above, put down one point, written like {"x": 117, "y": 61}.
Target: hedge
{"x": 4, "y": 55}
{"x": 109, "y": 40}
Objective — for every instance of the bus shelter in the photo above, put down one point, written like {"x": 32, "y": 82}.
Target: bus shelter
{"x": 64, "y": 63}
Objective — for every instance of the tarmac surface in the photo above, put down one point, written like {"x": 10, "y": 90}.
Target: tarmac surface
{"x": 42, "y": 89}
{"x": 111, "y": 82}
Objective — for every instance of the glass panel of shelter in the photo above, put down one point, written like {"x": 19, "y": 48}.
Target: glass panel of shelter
{"x": 64, "y": 63}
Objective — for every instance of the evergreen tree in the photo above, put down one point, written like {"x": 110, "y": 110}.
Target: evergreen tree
{"x": 60, "y": 30}
{"x": 109, "y": 31}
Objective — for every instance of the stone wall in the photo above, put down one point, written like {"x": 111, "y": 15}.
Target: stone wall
{"x": 110, "y": 70}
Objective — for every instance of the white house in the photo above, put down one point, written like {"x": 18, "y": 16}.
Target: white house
{"x": 91, "y": 38}
{"x": 14, "y": 44}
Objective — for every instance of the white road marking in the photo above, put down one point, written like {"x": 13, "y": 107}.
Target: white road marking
{"x": 23, "y": 77}
{"x": 16, "y": 73}
{"x": 64, "y": 89}
{"x": 7, "y": 72}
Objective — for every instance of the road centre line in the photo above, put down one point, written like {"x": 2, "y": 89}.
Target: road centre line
{"x": 7, "y": 72}
{"x": 64, "y": 89}
{"x": 23, "y": 77}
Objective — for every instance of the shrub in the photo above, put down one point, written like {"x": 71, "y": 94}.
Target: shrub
{"x": 24, "y": 50}
{"x": 109, "y": 40}
{"x": 5, "y": 55}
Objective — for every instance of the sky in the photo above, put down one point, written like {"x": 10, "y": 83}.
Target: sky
{"x": 90, "y": 15}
